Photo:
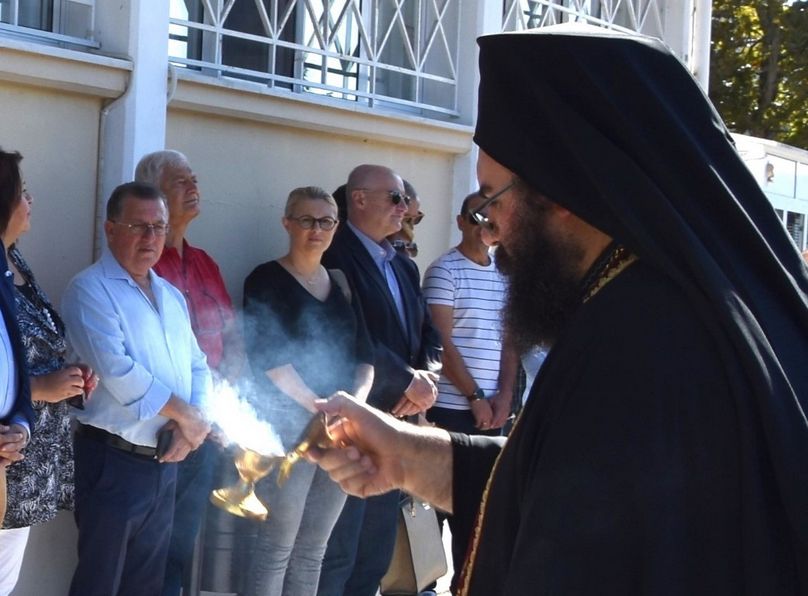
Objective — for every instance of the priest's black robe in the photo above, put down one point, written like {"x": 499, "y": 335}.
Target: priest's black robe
{"x": 623, "y": 473}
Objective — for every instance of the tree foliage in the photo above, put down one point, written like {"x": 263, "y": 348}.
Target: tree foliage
{"x": 759, "y": 68}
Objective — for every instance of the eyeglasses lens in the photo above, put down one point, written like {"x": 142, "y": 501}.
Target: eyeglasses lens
{"x": 307, "y": 222}
{"x": 397, "y": 197}
{"x": 144, "y": 229}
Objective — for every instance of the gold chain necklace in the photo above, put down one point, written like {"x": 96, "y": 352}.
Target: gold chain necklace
{"x": 608, "y": 266}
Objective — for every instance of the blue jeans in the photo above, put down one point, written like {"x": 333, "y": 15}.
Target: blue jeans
{"x": 124, "y": 507}
{"x": 194, "y": 483}
{"x": 289, "y": 549}
{"x": 360, "y": 547}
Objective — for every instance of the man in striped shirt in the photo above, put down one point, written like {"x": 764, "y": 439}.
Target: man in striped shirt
{"x": 465, "y": 294}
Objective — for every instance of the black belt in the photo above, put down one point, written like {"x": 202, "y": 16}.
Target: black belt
{"x": 107, "y": 438}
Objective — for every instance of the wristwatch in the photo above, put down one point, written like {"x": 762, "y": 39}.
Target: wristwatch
{"x": 476, "y": 395}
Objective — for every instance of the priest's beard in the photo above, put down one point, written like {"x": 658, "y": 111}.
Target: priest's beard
{"x": 544, "y": 288}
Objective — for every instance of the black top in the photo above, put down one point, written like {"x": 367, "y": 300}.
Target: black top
{"x": 613, "y": 127}
{"x": 622, "y": 474}
{"x": 285, "y": 324}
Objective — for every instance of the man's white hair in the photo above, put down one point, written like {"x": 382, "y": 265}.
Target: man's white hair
{"x": 151, "y": 166}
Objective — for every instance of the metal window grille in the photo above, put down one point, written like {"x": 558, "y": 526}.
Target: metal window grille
{"x": 400, "y": 54}
{"x": 644, "y": 16}
{"x": 56, "y": 22}
{"x": 795, "y": 224}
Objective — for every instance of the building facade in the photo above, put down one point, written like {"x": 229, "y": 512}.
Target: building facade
{"x": 782, "y": 172}
{"x": 262, "y": 96}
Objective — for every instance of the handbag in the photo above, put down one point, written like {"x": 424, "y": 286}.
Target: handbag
{"x": 2, "y": 494}
{"x": 418, "y": 556}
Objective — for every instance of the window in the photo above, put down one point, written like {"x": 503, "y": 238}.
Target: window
{"x": 795, "y": 224}
{"x": 63, "y": 22}
{"x": 399, "y": 54}
{"x": 781, "y": 176}
{"x": 644, "y": 16}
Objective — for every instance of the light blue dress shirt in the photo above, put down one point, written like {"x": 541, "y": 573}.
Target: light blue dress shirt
{"x": 142, "y": 354}
{"x": 382, "y": 254}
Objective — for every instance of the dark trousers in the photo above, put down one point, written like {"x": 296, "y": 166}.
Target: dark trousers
{"x": 124, "y": 508}
{"x": 461, "y": 421}
{"x": 360, "y": 547}
{"x": 194, "y": 483}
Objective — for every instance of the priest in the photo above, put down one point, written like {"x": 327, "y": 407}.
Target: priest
{"x": 664, "y": 448}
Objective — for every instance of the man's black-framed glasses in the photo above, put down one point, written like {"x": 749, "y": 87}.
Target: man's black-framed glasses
{"x": 143, "y": 229}
{"x": 395, "y": 196}
{"x": 307, "y": 222}
{"x": 477, "y": 216}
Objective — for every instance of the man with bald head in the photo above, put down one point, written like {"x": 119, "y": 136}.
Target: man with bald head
{"x": 407, "y": 351}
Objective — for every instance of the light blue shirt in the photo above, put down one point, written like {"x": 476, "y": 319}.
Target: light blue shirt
{"x": 142, "y": 354}
{"x": 382, "y": 254}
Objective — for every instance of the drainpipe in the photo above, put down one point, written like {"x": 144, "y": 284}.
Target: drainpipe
{"x": 172, "y": 83}
{"x": 100, "y": 199}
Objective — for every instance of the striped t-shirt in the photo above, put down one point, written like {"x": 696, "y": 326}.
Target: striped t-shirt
{"x": 476, "y": 294}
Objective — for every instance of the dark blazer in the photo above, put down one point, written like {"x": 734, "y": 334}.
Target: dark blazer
{"x": 22, "y": 404}
{"x": 399, "y": 349}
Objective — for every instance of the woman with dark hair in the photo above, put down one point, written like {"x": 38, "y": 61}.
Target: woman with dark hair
{"x": 42, "y": 483}
{"x": 305, "y": 339}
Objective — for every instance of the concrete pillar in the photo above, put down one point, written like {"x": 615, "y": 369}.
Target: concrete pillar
{"x": 477, "y": 17}
{"x": 701, "y": 36}
{"x": 135, "y": 123}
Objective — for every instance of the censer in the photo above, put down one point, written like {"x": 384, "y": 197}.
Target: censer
{"x": 240, "y": 499}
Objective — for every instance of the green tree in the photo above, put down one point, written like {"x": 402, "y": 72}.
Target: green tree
{"x": 759, "y": 68}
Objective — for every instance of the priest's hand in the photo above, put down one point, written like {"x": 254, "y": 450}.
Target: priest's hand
{"x": 366, "y": 461}
{"x": 377, "y": 453}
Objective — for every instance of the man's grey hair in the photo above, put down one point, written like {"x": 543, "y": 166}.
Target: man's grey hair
{"x": 151, "y": 166}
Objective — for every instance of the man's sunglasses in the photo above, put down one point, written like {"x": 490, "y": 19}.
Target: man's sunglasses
{"x": 395, "y": 196}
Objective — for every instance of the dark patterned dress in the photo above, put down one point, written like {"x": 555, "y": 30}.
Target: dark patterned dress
{"x": 42, "y": 483}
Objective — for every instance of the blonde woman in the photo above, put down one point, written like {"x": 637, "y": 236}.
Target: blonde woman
{"x": 305, "y": 340}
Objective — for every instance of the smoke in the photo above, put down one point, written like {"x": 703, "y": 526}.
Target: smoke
{"x": 230, "y": 409}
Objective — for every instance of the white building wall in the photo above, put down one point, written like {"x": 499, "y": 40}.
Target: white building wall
{"x": 247, "y": 168}
{"x": 782, "y": 172}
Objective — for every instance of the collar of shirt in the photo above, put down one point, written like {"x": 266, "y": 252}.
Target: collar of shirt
{"x": 381, "y": 253}
{"x": 113, "y": 269}
{"x": 172, "y": 254}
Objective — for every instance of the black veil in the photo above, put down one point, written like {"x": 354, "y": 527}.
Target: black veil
{"x": 613, "y": 127}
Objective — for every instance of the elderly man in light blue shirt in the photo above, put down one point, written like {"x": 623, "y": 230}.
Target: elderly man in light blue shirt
{"x": 133, "y": 328}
